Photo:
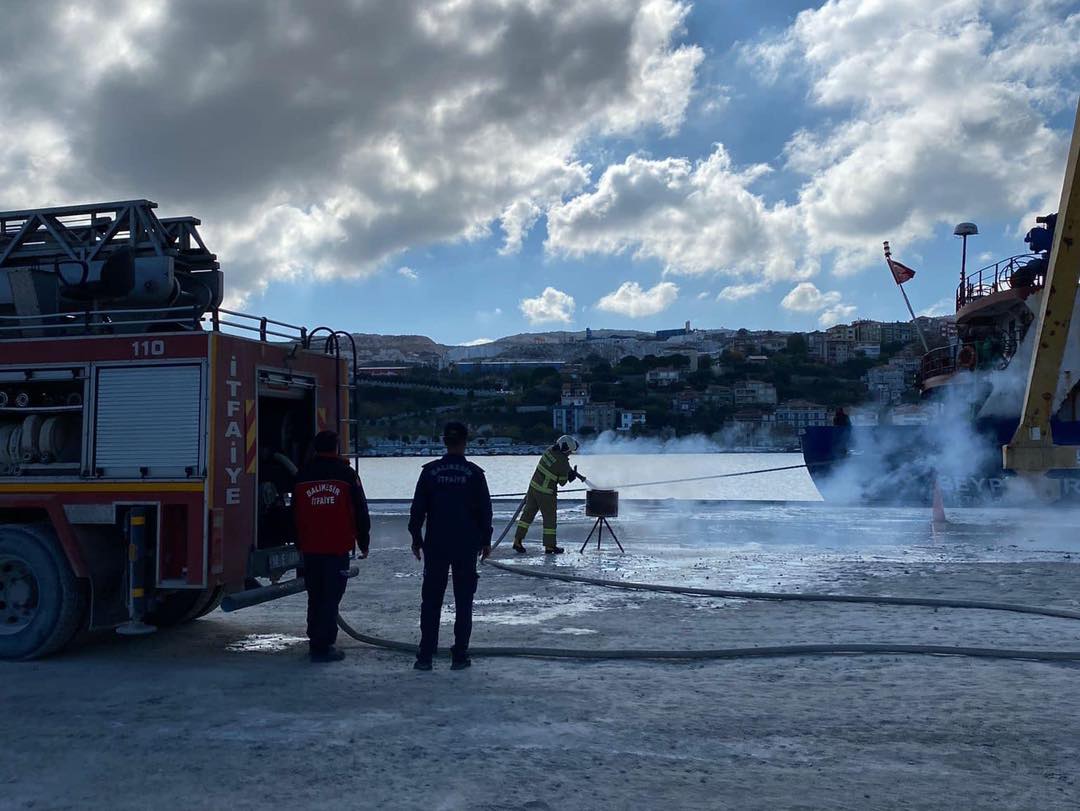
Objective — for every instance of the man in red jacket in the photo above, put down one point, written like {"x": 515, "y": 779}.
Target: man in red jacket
{"x": 331, "y": 515}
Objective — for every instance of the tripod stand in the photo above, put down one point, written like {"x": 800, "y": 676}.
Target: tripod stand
{"x": 598, "y": 528}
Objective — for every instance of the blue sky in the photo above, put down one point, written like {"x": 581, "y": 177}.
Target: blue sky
{"x": 474, "y": 169}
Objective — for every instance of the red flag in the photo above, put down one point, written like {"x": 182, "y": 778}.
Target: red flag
{"x": 900, "y": 272}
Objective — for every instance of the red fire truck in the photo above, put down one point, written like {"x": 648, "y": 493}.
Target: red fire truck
{"x": 146, "y": 445}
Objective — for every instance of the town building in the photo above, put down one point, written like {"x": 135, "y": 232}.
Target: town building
{"x": 754, "y": 392}
{"x": 799, "y": 414}
{"x": 889, "y": 383}
{"x": 686, "y": 403}
{"x": 719, "y": 395}
{"x": 572, "y": 419}
{"x": 629, "y": 418}
{"x": 902, "y": 332}
{"x": 575, "y": 394}
{"x": 839, "y": 350}
{"x": 502, "y": 367}
{"x": 753, "y": 418}
{"x": 662, "y": 377}
{"x": 867, "y": 332}
{"x": 842, "y": 332}
{"x": 664, "y": 334}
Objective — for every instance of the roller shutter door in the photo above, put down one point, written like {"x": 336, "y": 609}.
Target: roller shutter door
{"x": 149, "y": 417}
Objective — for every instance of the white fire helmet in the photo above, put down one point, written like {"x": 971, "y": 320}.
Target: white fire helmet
{"x": 566, "y": 444}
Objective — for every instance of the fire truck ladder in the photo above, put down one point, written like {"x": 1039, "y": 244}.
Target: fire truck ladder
{"x": 349, "y": 421}
{"x": 102, "y": 258}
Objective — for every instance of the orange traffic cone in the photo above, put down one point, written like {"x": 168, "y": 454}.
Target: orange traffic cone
{"x": 938, "y": 518}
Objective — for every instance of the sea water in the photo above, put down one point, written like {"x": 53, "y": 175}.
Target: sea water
{"x": 760, "y": 518}
{"x": 395, "y": 478}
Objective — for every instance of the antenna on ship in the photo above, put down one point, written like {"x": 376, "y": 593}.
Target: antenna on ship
{"x": 964, "y": 230}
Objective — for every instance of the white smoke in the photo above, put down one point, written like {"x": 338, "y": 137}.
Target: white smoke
{"x": 1010, "y": 384}
{"x": 730, "y": 438}
{"x": 610, "y": 442}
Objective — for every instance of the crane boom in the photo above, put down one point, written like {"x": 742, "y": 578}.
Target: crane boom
{"x": 1032, "y": 451}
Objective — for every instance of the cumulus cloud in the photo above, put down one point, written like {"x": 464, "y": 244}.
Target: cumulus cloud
{"x": 551, "y": 305}
{"x": 478, "y": 342}
{"x": 806, "y": 298}
{"x": 408, "y": 273}
{"x": 634, "y": 302}
{"x": 704, "y": 294}
{"x": 693, "y": 217}
{"x": 940, "y": 114}
{"x": 932, "y": 112}
{"x": 737, "y": 292}
{"x": 838, "y": 314}
{"x": 324, "y": 144}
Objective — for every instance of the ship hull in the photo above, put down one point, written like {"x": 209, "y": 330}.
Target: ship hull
{"x": 900, "y": 464}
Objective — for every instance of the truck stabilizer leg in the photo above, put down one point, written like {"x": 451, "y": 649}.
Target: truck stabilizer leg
{"x": 136, "y": 576}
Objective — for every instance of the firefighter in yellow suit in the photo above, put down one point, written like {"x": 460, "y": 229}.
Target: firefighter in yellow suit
{"x": 552, "y": 471}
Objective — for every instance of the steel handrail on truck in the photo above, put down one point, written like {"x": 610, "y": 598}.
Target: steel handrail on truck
{"x": 102, "y": 322}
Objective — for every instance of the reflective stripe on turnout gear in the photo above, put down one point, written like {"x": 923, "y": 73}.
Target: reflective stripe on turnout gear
{"x": 546, "y": 476}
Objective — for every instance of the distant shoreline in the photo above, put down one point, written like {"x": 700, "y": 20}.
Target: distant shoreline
{"x": 435, "y": 453}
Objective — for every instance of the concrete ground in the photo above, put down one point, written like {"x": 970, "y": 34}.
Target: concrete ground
{"x": 227, "y": 712}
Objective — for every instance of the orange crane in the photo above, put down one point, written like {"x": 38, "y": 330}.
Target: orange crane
{"x": 1032, "y": 453}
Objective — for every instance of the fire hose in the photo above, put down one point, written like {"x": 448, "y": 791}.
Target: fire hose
{"x": 681, "y": 481}
{"x": 763, "y": 651}
{"x": 813, "y": 649}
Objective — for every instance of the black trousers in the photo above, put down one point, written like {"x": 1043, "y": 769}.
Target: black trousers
{"x": 325, "y": 577}
{"x": 436, "y": 571}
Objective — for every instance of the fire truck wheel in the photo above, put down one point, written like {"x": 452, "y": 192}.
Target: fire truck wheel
{"x": 213, "y": 602}
{"x": 185, "y": 606}
{"x": 176, "y": 608}
{"x": 42, "y": 603}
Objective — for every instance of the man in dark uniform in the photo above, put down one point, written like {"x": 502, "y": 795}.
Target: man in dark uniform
{"x": 331, "y": 518}
{"x": 452, "y": 498}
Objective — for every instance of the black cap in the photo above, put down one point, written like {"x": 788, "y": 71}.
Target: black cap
{"x": 454, "y": 432}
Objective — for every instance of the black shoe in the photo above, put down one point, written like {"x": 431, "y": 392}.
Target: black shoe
{"x": 331, "y": 654}
{"x": 422, "y": 664}
{"x": 460, "y": 663}
{"x": 553, "y": 550}
{"x": 519, "y": 547}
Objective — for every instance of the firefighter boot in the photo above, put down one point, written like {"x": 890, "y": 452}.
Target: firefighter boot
{"x": 553, "y": 550}
{"x": 331, "y": 654}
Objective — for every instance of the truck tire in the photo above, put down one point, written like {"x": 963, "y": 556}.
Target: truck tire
{"x": 42, "y": 603}
{"x": 213, "y": 603}
{"x": 185, "y": 606}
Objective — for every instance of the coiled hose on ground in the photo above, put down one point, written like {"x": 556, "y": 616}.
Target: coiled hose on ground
{"x": 813, "y": 649}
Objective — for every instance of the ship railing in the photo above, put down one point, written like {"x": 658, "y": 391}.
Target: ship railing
{"x": 937, "y": 362}
{"x": 970, "y": 355}
{"x": 1027, "y": 270}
